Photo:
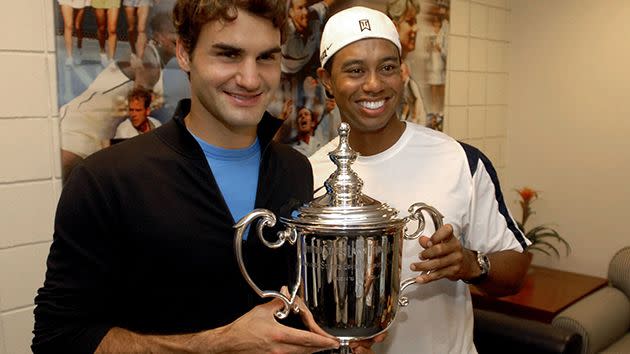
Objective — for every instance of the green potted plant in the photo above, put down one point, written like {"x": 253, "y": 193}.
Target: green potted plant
{"x": 539, "y": 235}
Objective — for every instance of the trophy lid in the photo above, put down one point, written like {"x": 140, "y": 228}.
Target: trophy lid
{"x": 344, "y": 206}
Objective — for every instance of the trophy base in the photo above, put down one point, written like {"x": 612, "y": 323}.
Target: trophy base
{"x": 344, "y": 347}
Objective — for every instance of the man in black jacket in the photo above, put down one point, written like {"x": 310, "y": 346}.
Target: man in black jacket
{"x": 142, "y": 257}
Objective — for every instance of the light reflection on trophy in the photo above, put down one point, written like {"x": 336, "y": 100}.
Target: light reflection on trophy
{"x": 349, "y": 253}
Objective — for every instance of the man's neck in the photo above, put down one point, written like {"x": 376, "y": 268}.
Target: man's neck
{"x": 306, "y": 137}
{"x": 375, "y": 142}
{"x": 144, "y": 127}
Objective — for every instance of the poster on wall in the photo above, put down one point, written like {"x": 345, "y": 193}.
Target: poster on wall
{"x": 118, "y": 77}
{"x": 116, "y": 72}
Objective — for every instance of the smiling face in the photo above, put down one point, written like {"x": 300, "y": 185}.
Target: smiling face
{"x": 365, "y": 79}
{"x": 232, "y": 73}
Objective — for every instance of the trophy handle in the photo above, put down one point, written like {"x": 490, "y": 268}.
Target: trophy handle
{"x": 415, "y": 211}
{"x": 289, "y": 235}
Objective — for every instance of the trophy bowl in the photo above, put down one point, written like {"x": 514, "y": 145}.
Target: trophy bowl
{"x": 349, "y": 253}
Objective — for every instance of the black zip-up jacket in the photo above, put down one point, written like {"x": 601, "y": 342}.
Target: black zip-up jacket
{"x": 143, "y": 240}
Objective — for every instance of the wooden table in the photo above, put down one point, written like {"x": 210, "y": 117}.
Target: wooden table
{"x": 545, "y": 293}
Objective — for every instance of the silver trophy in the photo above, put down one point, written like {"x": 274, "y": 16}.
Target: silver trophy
{"x": 349, "y": 253}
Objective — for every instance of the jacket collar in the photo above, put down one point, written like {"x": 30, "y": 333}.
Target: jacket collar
{"x": 175, "y": 134}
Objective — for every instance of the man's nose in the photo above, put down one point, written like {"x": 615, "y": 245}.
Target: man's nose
{"x": 248, "y": 75}
{"x": 373, "y": 82}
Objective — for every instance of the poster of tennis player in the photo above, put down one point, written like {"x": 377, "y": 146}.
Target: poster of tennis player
{"x": 118, "y": 76}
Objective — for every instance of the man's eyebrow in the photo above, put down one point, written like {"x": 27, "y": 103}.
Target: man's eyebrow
{"x": 391, "y": 58}
{"x": 231, "y": 48}
{"x": 227, "y": 47}
{"x": 273, "y": 50}
{"x": 351, "y": 63}
{"x": 361, "y": 61}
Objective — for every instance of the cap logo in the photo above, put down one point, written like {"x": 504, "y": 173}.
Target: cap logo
{"x": 364, "y": 25}
{"x": 324, "y": 55}
{"x": 325, "y": 52}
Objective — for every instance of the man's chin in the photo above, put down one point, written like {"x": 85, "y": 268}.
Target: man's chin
{"x": 371, "y": 124}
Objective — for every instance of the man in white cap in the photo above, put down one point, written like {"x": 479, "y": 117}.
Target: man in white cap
{"x": 479, "y": 243}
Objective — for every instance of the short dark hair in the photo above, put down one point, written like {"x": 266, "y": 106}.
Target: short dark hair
{"x": 190, "y": 16}
{"x": 140, "y": 93}
{"x": 301, "y": 107}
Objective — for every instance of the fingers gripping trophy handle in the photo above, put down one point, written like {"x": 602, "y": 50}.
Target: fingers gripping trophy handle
{"x": 415, "y": 212}
{"x": 268, "y": 219}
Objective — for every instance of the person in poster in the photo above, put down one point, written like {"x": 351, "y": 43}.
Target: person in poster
{"x": 437, "y": 46}
{"x": 303, "y": 33}
{"x": 89, "y": 121}
{"x": 404, "y": 14}
{"x": 137, "y": 14}
{"x": 106, "y": 12}
{"x": 139, "y": 121}
{"x": 73, "y": 12}
{"x": 479, "y": 243}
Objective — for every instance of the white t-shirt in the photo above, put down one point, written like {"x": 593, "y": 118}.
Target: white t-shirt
{"x": 428, "y": 166}
{"x": 126, "y": 130}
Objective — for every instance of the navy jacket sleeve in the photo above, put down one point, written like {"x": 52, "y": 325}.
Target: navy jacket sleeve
{"x": 70, "y": 315}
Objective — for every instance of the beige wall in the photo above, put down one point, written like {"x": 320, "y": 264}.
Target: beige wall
{"x": 477, "y": 94}
{"x": 569, "y": 122}
{"x": 29, "y": 176}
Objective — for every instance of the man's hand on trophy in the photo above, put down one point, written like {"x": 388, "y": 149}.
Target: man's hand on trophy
{"x": 443, "y": 257}
{"x": 257, "y": 331}
{"x": 365, "y": 346}
{"x": 358, "y": 347}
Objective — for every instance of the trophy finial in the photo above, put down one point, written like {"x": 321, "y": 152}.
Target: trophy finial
{"x": 344, "y": 185}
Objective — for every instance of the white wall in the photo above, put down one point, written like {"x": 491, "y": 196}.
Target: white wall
{"x": 569, "y": 122}
{"x": 29, "y": 176}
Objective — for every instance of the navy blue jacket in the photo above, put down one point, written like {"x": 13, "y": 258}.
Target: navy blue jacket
{"x": 143, "y": 240}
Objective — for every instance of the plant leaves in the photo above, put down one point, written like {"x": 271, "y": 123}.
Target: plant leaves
{"x": 534, "y": 248}
{"x": 549, "y": 246}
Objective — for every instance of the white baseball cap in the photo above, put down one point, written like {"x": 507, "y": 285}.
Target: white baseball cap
{"x": 354, "y": 24}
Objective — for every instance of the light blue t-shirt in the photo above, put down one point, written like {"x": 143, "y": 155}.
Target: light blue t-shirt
{"x": 236, "y": 173}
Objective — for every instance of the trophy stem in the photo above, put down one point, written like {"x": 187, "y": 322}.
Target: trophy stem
{"x": 344, "y": 346}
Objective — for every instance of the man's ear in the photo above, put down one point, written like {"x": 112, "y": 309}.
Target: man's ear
{"x": 183, "y": 59}
{"x": 324, "y": 78}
